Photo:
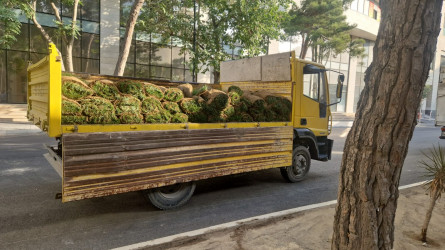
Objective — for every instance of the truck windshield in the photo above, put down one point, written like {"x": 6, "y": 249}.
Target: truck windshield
{"x": 314, "y": 85}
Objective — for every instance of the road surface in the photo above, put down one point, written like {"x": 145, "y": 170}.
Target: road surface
{"x": 31, "y": 218}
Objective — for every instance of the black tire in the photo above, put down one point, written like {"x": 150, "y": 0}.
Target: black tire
{"x": 301, "y": 163}
{"x": 172, "y": 196}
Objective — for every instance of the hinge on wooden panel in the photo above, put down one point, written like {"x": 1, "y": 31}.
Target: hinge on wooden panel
{"x": 58, "y": 59}
{"x": 58, "y": 196}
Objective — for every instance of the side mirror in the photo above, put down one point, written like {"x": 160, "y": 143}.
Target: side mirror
{"x": 340, "y": 80}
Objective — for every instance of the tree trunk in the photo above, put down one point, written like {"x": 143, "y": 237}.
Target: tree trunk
{"x": 216, "y": 75}
{"x": 125, "y": 48}
{"x": 304, "y": 47}
{"x": 429, "y": 212}
{"x": 70, "y": 39}
{"x": 385, "y": 120}
{"x": 43, "y": 32}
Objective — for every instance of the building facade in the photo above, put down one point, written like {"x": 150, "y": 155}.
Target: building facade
{"x": 101, "y": 23}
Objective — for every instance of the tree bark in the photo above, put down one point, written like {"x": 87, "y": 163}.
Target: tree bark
{"x": 70, "y": 39}
{"x": 385, "y": 120}
{"x": 216, "y": 75}
{"x": 434, "y": 196}
{"x": 128, "y": 37}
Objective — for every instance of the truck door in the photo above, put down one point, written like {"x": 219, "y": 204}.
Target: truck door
{"x": 314, "y": 101}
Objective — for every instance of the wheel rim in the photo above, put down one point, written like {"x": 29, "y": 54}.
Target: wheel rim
{"x": 300, "y": 165}
{"x": 172, "y": 191}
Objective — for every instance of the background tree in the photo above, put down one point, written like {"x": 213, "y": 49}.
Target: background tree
{"x": 247, "y": 24}
{"x": 322, "y": 26}
{"x": 9, "y": 23}
{"x": 68, "y": 31}
{"x": 435, "y": 171}
{"x": 385, "y": 120}
{"x": 128, "y": 37}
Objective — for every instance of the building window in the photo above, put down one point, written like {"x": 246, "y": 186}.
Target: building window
{"x": 32, "y": 47}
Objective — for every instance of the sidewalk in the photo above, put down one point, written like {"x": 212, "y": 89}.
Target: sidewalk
{"x": 308, "y": 229}
{"x": 13, "y": 120}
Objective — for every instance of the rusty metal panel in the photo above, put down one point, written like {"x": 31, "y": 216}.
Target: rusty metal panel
{"x": 99, "y": 164}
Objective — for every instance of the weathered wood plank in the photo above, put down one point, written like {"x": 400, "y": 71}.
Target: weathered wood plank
{"x": 120, "y": 162}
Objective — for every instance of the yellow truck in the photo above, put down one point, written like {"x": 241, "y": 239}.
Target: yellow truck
{"x": 165, "y": 160}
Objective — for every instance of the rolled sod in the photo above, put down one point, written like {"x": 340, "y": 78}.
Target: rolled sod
{"x": 132, "y": 88}
{"x": 150, "y": 104}
{"x": 158, "y": 116}
{"x": 153, "y": 90}
{"x": 171, "y": 107}
{"x": 179, "y": 118}
{"x": 217, "y": 100}
{"x": 131, "y": 117}
{"x": 187, "y": 89}
{"x": 199, "y": 117}
{"x": 74, "y": 88}
{"x": 235, "y": 98}
{"x": 173, "y": 95}
{"x": 70, "y": 107}
{"x": 127, "y": 103}
{"x": 106, "y": 89}
{"x": 190, "y": 106}
{"x": 74, "y": 119}
{"x": 236, "y": 89}
{"x": 200, "y": 90}
{"x": 99, "y": 110}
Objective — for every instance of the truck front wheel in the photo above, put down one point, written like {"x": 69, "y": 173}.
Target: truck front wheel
{"x": 301, "y": 162}
{"x": 172, "y": 196}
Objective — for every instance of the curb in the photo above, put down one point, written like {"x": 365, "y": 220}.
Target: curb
{"x": 234, "y": 224}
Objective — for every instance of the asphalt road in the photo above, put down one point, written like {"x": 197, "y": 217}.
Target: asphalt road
{"x": 30, "y": 217}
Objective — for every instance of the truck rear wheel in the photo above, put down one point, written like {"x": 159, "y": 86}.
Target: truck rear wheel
{"x": 301, "y": 162}
{"x": 172, "y": 196}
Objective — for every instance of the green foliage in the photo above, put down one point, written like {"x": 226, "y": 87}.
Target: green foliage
{"x": 435, "y": 170}
{"x": 323, "y": 27}
{"x": 127, "y": 103}
{"x": 173, "y": 95}
{"x": 70, "y": 107}
{"x": 9, "y": 27}
{"x": 75, "y": 89}
{"x": 250, "y": 24}
{"x": 132, "y": 88}
{"x": 179, "y": 118}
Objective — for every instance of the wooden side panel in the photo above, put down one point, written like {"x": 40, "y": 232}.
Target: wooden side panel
{"x": 99, "y": 164}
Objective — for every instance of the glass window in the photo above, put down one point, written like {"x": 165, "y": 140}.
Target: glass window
{"x": 366, "y": 10}
{"x": 90, "y": 27}
{"x": 361, "y": 6}
{"x": 17, "y": 76}
{"x": 311, "y": 85}
{"x": 38, "y": 43}
{"x": 45, "y": 6}
{"x": 68, "y": 9}
{"x": 354, "y": 5}
{"x": 36, "y": 57}
{"x": 142, "y": 52}
{"x": 142, "y": 71}
{"x": 90, "y": 10}
{"x": 160, "y": 72}
{"x": 21, "y": 16}
{"x": 178, "y": 75}
{"x": 46, "y": 19}
{"x": 90, "y": 66}
{"x": 90, "y": 45}
{"x": 3, "y": 85}
{"x": 188, "y": 76}
{"x": 125, "y": 11}
{"x": 22, "y": 42}
{"x": 177, "y": 57}
{"x": 129, "y": 69}
{"x": 161, "y": 55}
